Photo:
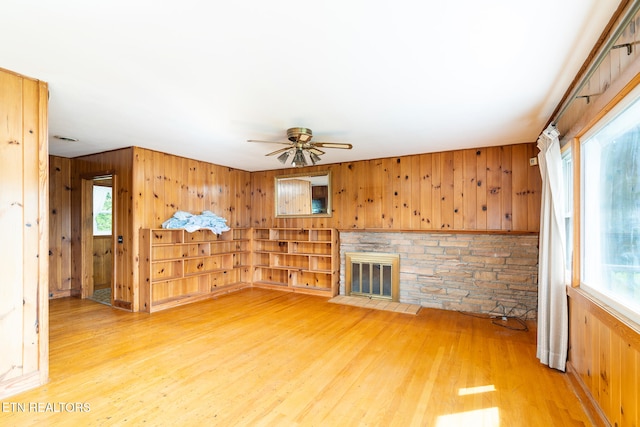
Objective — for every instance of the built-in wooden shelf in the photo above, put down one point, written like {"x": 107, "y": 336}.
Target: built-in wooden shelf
{"x": 178, "y": 267}
{"x": 296, "y": 259}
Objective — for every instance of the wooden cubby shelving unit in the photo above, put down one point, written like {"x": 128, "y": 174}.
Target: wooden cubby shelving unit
{"x": 177, "y": 267}
{"x": 296, "y": 259}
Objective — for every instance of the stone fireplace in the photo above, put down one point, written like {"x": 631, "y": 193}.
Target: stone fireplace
{"x": 472, "y": 272}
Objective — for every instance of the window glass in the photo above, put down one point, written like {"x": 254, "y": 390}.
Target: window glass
{"x": 611, "y": 211}
{"x": 102, "y": 203}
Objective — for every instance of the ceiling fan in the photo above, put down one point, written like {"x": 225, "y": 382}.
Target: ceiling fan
{"x": 301, "y": 144}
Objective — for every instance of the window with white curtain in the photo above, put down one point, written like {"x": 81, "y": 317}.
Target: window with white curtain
{"x": 610, "y": 225}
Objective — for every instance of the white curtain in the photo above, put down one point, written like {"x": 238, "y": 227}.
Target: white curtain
{"x": 553, "y": 322}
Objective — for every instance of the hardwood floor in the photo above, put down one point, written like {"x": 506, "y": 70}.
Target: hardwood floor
{"x": 268, "y": 358}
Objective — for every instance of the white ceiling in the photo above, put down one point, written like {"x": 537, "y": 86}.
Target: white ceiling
{"x": 198, "y": 78}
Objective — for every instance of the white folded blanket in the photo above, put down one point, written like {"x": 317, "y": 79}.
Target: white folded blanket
{"x": 190, "y": 222}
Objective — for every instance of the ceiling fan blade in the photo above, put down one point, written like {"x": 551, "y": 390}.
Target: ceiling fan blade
{"x": 282, "y": 150}
{"x": 316, "y": 151}
{"x": 268, "y": 142}
{"x": 334, "y": 145}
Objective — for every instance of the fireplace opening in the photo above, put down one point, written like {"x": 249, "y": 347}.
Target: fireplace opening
{"x": 372, "y": 275}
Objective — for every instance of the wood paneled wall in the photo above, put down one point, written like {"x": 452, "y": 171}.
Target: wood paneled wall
{"x": 164, "y": 183}
{"x": 604, "y": 353}
{"x": 59, "y": 227}
{"x": 102, "y": 262}
{"x": 149, "y": 188}
{"x": 24, "y": 223}
{"x": 484, "y": 189}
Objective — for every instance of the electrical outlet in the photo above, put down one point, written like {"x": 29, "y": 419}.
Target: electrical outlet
{"x": 533, "y": 161}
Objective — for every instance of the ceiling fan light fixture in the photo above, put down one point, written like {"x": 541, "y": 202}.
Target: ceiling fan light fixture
{"x": 283, "y": 157}
{"x": 314, "y": 157}
{"x": 298, "y": 159}
{"x": 301, "y": 146}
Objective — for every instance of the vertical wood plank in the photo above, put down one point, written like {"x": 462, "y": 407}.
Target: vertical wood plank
{"x": 436, "y": 194}
{"x": 159, "y": 181}
{"x": 257, "y": 205}
{"x": 267, "y": 196}
{"x": 520, "y": 191}
{"x": 31, "y": 223}
{"x": 447, "y": 189}
{"x": 605, "y": 74}
{"x": 594, "y": 382}
{"x": 193, "y": 185}
{"x": 11, "y": 221}
{"x": 426, "y": 189}
{"x": 575, "y": 353}
{"x": 470, "y": 189}
{"x": 615, "y": 380}
{"x": 404, "y": 193}
{"x": 534, "y": 186}
{"x": 43, "y": 265}
{"x": 141, "y": 183}
{"x": 141, "y": 178}
{"x": 396, "y": 197}
{"x": 506, "y": 195}
{"x": 481, "y": 189}
{"x": 129, "y": 278}
{"x": 60, "y": 227}
{"x": 374, "y": 220}
{"x": 458, "y": 189}
{"x": 587, "y": 339}
{"x": 387, "y": 194}
{"x": 415, "y": 181}
{"x": 604, "y": 368}
{"x": 173, "y": 182}
{"x": 494, "y": 188}
{"x": 359, "y": 174}
{"x": 629, "y": 385}
{"x": 338, "y": 190}
{"x": 223, "y": 195}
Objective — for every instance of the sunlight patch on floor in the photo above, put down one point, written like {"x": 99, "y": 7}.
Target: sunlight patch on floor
{"x": 476, "y": 390}
{"x": 488, "y": 417}
{"x": 376, "y": 304}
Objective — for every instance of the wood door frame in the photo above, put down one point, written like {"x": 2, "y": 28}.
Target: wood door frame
{"x": 86, "y": 232}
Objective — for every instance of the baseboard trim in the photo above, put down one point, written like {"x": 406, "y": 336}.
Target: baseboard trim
{"x": 590, "y": 405}
{"x": 19, "y": 385}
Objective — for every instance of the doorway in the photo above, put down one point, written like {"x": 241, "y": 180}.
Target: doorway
{"x": 97, "y": 238}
